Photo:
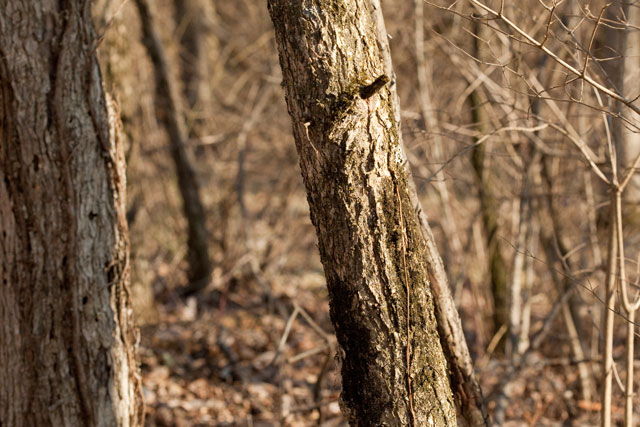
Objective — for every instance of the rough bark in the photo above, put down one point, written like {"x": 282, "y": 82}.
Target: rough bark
{"x": 466, "y": 390}
{"x": 200, "y": 265}
{"x": 394, "y": 371}
{"x": 67, "y": 353}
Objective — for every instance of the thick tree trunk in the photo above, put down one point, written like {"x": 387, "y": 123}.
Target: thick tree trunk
{"x": 67, "y": 355}
{"x": 371, "y": 246}
{"x": 200, "y": 265}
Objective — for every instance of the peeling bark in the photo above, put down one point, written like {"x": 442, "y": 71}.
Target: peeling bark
{"x": 67, "y": 353}
{"x": 371, "y": 246}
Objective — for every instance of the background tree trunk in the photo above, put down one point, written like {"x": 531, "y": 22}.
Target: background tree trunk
{"x": 190, "y": 20}
{"x": 200, "y": 265}
{"x": 371, "y": 246}
{"x": 631, "y": 144}
{"x": 489, "y": 202}
{"x": 67, "y": 355}
{"x": 621, "y": 46}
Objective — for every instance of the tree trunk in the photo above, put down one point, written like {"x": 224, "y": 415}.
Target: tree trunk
{"x": 67, "y": 353}
{"x": 466, "y": 390}
{"x": 621, "y": 43}
{"x": 625, "y": 43}
{"x": 489, "y": 206}
{"x": 190, "y": 19}
{"x": 371, "y": 246}
{"x": 200, "y": 265}
{"x": 190, "y": 16}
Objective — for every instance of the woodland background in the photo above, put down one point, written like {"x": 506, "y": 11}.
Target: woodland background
{"x": 255, "y": 347}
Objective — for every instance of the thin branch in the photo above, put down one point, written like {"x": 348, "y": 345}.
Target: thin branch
{"x": 532, "y": 41}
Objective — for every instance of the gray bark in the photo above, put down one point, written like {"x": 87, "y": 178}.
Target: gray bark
{"x": 370, "y": 242}
{"x": 67, "y": 344}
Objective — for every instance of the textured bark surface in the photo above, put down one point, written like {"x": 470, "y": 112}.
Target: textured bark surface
{"x": 373, "y": 252}
{"x": 466, "y": 390}
{"x": 200, "y": 265}
{"x": 66, "y": 336}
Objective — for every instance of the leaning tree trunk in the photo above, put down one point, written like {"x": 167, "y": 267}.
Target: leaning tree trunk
{"x": 394, "y": 371}
{"x": 67, "y": 355}
{"x": 200, "y": 264}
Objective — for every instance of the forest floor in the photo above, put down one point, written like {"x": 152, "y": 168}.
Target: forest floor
{"x": 228, "y": 360}
{"x": 224, "y": 362}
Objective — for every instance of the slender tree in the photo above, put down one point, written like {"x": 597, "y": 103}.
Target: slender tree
{"x": 190, "y": 19}
{"x": 371, "y": 246}
{"x": 489, "y": 202}
{"x": 200, "y": 265}
{"x": 67, "y": 355}
{"x": 621, "y": 39}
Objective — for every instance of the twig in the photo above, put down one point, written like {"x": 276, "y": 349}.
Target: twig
{"x": 578, "y": 74}
{"x": 285, "y": 334}
{"x": 483, "y": 139}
